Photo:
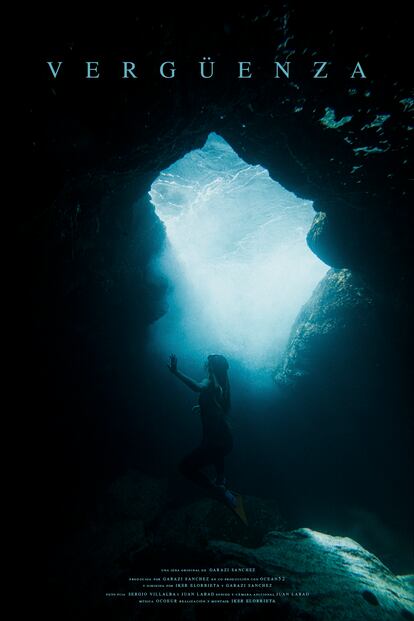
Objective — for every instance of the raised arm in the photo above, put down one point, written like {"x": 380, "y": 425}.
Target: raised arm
{"x": 188, "y": 381}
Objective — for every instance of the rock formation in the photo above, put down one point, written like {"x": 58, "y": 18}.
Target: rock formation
{"x": 340, "y": 578}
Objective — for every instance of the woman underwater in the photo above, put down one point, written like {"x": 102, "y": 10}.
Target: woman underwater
{"x": 217, "y": 440}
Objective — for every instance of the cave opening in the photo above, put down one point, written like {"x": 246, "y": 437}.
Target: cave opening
{"x": 235, "y": 257}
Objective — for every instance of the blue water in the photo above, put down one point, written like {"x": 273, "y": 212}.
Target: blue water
{"x": 237, "y": 258}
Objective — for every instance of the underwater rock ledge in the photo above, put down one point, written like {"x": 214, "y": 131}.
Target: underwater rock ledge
{"x": 344, "y": 581}
{"x": 142, "y": 522}
{"x": 339, "y": 316}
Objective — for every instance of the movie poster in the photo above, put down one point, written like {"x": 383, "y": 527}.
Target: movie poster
{"x": 218, "y": 312}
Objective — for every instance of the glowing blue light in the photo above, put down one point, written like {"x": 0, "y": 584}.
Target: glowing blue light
{"x": 237, "y": 254}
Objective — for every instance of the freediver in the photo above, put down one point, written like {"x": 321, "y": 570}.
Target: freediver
{"x": 217, "y": 440}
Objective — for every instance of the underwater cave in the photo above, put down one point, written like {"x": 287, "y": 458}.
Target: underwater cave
{"x": 267, "y": 222}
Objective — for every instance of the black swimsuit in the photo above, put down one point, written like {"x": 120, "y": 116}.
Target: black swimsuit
{"x": 217, "y": 439}
{"x": 216, "y": 431}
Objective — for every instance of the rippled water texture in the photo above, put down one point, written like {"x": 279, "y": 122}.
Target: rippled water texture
{"x": 238, "y": 256}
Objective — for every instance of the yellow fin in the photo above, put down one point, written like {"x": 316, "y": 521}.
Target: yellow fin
{"x": 239, "y": 508}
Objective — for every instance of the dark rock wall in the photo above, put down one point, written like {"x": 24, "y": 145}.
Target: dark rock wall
{"x": 346, "y": 377}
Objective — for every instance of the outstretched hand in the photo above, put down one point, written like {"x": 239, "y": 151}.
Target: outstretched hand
{"x": 173, "y": 363}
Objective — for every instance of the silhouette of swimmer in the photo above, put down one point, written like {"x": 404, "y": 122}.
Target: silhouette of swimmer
{"x": 217, "y": 440}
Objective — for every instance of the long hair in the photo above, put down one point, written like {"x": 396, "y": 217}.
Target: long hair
{"x": 218, "y": 366}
